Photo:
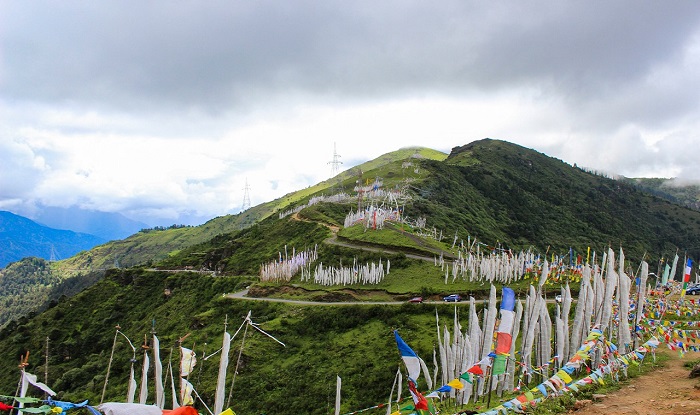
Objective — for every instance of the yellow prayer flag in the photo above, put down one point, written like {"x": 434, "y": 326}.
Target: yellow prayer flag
{"x": 564, "y": 376}
{"x": 455, "y": 383}
{"x": 228, "y": 412}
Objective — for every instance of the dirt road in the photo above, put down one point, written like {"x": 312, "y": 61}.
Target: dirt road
{"x": 666, "y": 391}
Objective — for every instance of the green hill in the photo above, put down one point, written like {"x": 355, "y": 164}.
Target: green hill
{"x": 500, "y": 194}
{"x": 151, "y": 246}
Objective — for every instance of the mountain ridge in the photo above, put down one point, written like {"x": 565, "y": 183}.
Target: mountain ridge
{"x": 21, "y": 237}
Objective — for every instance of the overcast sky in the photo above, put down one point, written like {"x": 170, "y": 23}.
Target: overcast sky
{"x": 161, "y": 110}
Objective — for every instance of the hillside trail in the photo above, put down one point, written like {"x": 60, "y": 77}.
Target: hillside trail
{"x": 665, "y": 391}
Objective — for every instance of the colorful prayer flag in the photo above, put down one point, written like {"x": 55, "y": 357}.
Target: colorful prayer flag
{"x": 476, "y": 369}
{"x": 418, "y": 399}
{"x": 503, "y": 335}
{"x": 409, "y": 357}
{"x": 455, "y": 383}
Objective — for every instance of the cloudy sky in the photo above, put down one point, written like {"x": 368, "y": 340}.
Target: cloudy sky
{"x": 161, "y": 110}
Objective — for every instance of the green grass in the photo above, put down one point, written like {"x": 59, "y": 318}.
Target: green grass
{"x": 397, "y": 236}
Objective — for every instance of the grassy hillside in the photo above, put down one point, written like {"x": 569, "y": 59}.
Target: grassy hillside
{"x": 354, "y": 342}
{"x": 151, "y": 246}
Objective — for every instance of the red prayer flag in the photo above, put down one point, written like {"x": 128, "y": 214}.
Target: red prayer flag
{"x": 419, "y": 400}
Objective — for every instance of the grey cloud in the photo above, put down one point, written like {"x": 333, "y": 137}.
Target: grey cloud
{"x": 219, "y": 54}
{"x": 608, "y": 70}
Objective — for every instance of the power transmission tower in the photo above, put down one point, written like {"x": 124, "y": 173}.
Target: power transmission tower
{"x": 53, "y": 256}
{"x": 246, "y": 196}
{"x": 335, "y": 163}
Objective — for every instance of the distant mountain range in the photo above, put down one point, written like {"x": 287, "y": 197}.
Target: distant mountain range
{"x": 21, "y": 237}
{"x": 107, "y": 225}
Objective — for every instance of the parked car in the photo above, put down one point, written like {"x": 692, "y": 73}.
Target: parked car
{"x": 693, "y": 291}
{"x": 452, "y": 298}
{"x": 416, "y": 300}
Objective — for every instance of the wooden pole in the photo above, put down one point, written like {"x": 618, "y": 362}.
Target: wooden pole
{"x": 109, "y": 365}
{"x": 46, "y": 362}
{"x": 240, "y": 352}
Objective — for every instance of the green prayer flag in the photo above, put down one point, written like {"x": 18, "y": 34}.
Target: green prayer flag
{"x": 499, "y": 364}
{"x": 466, "y": 376}
{"x": 27, "y": 400}
{"x": 44, "y": 409}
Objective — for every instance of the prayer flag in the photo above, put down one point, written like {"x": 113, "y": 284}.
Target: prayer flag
{"x": 186, "y": 390}
{"x": 476, "y": 369}
{"x": 409, "y": 357}
{"x": 32, "y": 379}
{"x": 503, "y": 335}
{"x": 445, "y": 388}
{"x": 504, "y": 338}
{"x": 499, "y": 364}
{"x": 686, "y": 276}
{"x": 221, "y": 379}
{"x": 419, "y": 400}
{"x": 188, "y": 361}
{"x": 337, "y": 394}
{"x": 455, "y": 383}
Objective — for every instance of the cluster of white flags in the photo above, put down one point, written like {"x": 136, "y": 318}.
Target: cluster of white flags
{"x": 283, "y": 269}
{"x": 370, "y": 273}
{"x": 372, "y": 217}
{"x": 487, "y": 267}
{"x": 183, "y": 397}
{"x": 428, "y": 233}
{"x": 546, "y": 342}
{"x": 336, "y": 198}
{"x": 369, "y": 187}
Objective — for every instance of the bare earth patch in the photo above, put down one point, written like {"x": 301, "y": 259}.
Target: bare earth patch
{"x": 665, "y": 391}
